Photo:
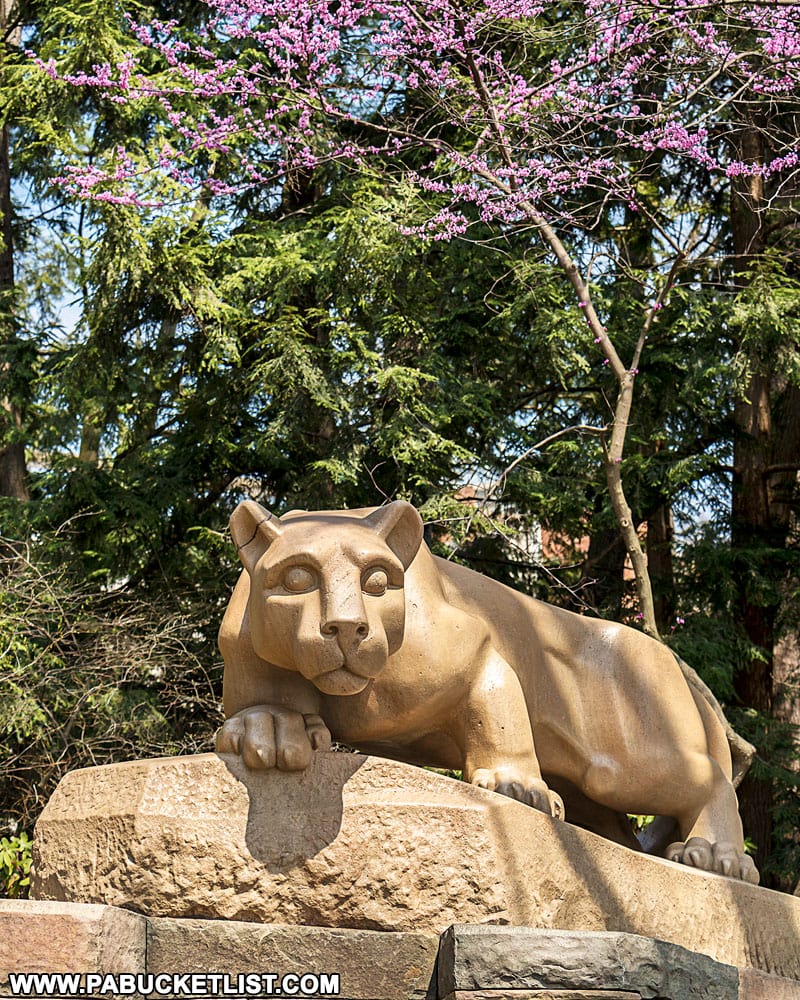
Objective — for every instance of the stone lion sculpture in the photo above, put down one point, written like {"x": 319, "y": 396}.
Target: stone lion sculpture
{"x": 344, "y": 625}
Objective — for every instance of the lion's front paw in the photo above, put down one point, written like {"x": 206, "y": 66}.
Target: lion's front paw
{"x": 267, "y": 736}
{"x": 533, "y": 791}
{"x": 722, "y": 858}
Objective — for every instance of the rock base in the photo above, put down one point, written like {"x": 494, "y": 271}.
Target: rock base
{"x": 85, "y": 939}
{"x": 520, "y": 963}
{"x": 63, "y": 937}
{"x": 363, "y": 843}
{"x": 467, "y": 963}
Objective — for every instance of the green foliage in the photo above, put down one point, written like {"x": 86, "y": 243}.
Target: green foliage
{"x": 15, "y": 866}
{"x": 89, "y": 678}
{"x": 775, "y": 766}
{"x": 765, "y": 319}
{"x": 708, "y": 634}
{"x": 712, "y": 575}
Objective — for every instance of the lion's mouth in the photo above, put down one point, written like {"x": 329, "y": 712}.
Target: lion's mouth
{"x": 341, "y": 681}
{"x": 342, "y": 671}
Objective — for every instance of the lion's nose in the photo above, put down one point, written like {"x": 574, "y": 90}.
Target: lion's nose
{"x": 349, "y": 631}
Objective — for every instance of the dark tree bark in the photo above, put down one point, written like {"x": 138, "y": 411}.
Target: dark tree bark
{"x": 13, "y": 472}
{"x": 602, "y": 582}
{"x": 660, "y": 535}
{"x": 766, "y": 458}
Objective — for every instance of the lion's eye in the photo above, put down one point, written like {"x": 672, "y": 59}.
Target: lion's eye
{"x": 297, "y": 579}
{"x": 375, "y": 581}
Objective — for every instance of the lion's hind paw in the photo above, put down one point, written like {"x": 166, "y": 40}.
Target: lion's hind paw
{"x": 722, "y": 858}
{"x": 532, "y": 791}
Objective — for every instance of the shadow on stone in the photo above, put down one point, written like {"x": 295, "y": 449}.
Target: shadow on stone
{"x": 278, "y": 832}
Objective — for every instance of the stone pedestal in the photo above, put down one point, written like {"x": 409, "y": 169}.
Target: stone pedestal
{"x": 58, "y": 937}
{"x": 363, "y": 843}
{"x": 478, "y": 962}
{"x": 81, "y": 938}
{"x": 520, "y": 963}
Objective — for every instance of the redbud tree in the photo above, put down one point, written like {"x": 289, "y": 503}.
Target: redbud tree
{"x": 549, "y": 116}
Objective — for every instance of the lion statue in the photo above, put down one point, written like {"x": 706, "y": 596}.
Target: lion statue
{"x": 343, "y": 625}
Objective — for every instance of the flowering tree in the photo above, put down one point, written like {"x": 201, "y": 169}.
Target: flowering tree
{"x": 559, "y": 117}
{"x": 648, "y": 148}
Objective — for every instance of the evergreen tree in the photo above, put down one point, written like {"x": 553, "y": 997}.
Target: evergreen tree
{"x": 267, "y": 312}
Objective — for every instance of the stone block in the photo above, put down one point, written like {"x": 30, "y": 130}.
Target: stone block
{"x": 372, "y": 965}
{"x": 365, "y": 843}
{"x": 542, "y": 995}
{"x": 39, "y": 936}
{"x": 522, "y": 958}
{"x": 759, "y": 986}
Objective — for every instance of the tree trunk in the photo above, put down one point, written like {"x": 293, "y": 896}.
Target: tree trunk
{"x": 767, "y": 440}
{"x": 660, "y": 534}
{"x": 751, "y": 529}
{"x": 13, "y": 473}
{"x": 89, "y": 452}
{"x": 784, "y": 488}
{"x": 602, "y": 583}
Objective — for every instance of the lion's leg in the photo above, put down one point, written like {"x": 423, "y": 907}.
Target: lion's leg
{"x": 271, "y": 715}
{"x": 711, "y": 830}
{"x": 494, "y": 733}
{"x": 712, "y": 837}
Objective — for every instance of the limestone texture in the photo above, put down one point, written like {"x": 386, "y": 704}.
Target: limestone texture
{"x": 504, "y": 994}
{"x": 494, "y": 963}
{"x": 370, "y": 964}
{"x": 515, "y": 958}
{"x": 365, "y": 843}
{"x": 759, "y": 986}
{"x": 37, "y": 936}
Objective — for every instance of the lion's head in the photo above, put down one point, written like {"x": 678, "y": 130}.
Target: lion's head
{"x": 326, "y": 589}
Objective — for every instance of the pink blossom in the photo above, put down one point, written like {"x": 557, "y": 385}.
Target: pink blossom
{"x": 633, "y": 85}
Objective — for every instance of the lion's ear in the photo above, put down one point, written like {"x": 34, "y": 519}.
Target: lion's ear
{"x": 400, "y": 526}
{"x": 253, "y": 530}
